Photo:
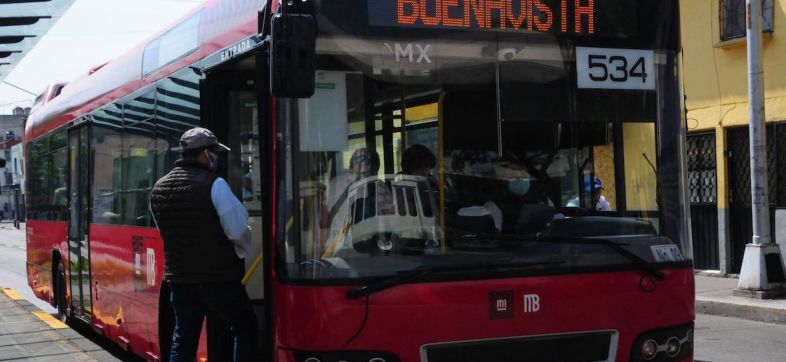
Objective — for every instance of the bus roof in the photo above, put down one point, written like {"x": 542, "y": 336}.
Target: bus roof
{"x": 219, "y": 23}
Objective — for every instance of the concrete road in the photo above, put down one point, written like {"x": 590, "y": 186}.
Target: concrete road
{"x": 720, "y": 339}
{"x": 13, "y": 269}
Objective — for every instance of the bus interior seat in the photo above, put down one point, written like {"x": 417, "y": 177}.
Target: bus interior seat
{"x": 475, "y": 220}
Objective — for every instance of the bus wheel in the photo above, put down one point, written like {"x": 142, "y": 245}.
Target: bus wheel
{"x": 166, "y": 323}
{"x": 62, "y": 309}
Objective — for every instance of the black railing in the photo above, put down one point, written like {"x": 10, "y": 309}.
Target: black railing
{"x": 732, "y": 18}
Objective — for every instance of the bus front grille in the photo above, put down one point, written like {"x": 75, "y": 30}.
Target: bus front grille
{"x": 574, "y": 347}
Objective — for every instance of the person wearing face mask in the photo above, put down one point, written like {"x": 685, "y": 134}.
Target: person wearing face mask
{"x": 206, "y": 235}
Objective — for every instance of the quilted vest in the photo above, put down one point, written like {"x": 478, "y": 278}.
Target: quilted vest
{"x": 196, "y": 250}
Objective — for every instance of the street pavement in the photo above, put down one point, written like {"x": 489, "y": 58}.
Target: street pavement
{"x": 27, "y": 333}
{"x": 724, "y": 339}
{"x": 13, "y": 259}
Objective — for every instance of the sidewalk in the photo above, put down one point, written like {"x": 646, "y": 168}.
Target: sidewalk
{"x": 27, "y": 333}
{"x": 9, "y": 224}
{"x": 714, "y": 296}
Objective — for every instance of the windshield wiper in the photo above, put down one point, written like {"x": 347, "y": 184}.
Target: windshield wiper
{"x": 644, "y": 265}
{"x": 409, "y": 276}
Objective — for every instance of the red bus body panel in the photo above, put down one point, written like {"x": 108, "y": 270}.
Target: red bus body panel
{"x": 125, "y": 296}
{"x": 44, "y": 238}
{"x": 403, "y": 318}
{"x": 223, "y": 23}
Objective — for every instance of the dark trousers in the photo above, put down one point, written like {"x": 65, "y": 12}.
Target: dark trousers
{"x": 228, "y": 300}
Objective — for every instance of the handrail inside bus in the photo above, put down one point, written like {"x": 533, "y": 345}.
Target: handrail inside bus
{"x": 258, "y": 260}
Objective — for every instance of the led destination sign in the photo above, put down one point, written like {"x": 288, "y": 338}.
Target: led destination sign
{"x": 621, "y": 19}
{"x": 563, "y": 16}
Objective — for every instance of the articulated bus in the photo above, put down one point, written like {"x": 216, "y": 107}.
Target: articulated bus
{"x": 427, "y": 180}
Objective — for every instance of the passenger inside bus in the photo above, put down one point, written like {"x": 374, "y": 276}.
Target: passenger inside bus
{"x": 417, "y": 160}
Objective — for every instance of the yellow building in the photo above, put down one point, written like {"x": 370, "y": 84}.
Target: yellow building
{"x": 714, "y": 72}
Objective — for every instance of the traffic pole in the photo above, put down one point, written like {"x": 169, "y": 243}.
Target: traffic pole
{"x": 762, "y": 274}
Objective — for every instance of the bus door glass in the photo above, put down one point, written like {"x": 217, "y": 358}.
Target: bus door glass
{"x": 78, "y": 240}
{"x": 244, "y": 172}
{"x": 231, "y": 112}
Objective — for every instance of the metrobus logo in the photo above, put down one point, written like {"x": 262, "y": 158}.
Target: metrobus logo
{"x": 501, "y": 305}
{"x": 151, "y": 267}
{"x": 531, "y": 303}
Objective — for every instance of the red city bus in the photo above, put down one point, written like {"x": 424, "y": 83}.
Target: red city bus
{"x": 427, "y": 180}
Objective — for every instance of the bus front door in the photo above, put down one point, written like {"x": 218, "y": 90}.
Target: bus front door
{"x": 230, "y": 108}
{"x": 78, "y": 241}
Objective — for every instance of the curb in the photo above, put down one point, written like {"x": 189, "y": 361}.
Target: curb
{"x": 45, "y": 317}
{"x": 724, "y": 308}
{"x": 715, "y": 274}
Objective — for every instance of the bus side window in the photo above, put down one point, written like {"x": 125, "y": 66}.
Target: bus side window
{"x": 400, "y": 201}
{"x": 413, "y": 207}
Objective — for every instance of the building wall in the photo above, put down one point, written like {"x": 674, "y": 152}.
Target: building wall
{"x": 13, "y": 123}
{"x": 715, "y": 72}
{"x": 12, "y": 176}
{"x": 715, "y": 80}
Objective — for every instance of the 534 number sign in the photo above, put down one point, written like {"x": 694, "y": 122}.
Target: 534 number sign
{"x": 605, "y": 68}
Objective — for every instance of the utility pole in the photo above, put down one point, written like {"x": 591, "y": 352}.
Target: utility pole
{"x": 762, "y": 274}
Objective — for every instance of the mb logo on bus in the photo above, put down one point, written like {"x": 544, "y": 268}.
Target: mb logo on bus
{"x": 531, "y": 303}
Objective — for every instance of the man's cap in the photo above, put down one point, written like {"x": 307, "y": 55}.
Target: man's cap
{"x": 598, "y": 185}
{"x": 595, "y": 183}
{"x": 199, "y": 137}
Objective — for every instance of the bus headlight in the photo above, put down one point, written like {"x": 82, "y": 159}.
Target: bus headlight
{"x": 673, "y": 346}
{"x": 667, "y": 344}
{"x": 648, "y": 350}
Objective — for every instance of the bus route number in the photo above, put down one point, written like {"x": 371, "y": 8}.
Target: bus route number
{"x": 606, "y": 68}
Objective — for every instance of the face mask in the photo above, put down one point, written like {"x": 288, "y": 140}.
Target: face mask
{"x": 213, "y": 159}
{"x": 519, "y": 186}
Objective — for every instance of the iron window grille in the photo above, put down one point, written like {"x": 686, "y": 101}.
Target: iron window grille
{"x": 732, "y": 18}
{"x": 702, "y": 180}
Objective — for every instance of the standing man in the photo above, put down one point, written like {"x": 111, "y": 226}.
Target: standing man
{"x": 206, "y": 234}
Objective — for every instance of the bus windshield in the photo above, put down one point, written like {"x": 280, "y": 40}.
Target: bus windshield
{"x": 476, "y": 150}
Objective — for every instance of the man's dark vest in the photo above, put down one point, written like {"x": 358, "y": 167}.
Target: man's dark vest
{"x": 195, "y": 246}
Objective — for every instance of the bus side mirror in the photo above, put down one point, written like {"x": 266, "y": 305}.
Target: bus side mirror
{"x": 292, "y": 55}
{"x": 2, "y": 162}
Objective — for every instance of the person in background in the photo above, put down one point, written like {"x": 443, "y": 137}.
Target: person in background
{"x": 417, "y": 160}
{"x": 206, "y": 236}
{"x": 601, "y": 204}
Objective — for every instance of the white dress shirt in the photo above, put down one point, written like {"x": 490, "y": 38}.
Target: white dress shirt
{"x": 233, "y": 216}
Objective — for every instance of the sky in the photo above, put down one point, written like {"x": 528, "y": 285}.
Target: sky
{"x": 90, "y": 32}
